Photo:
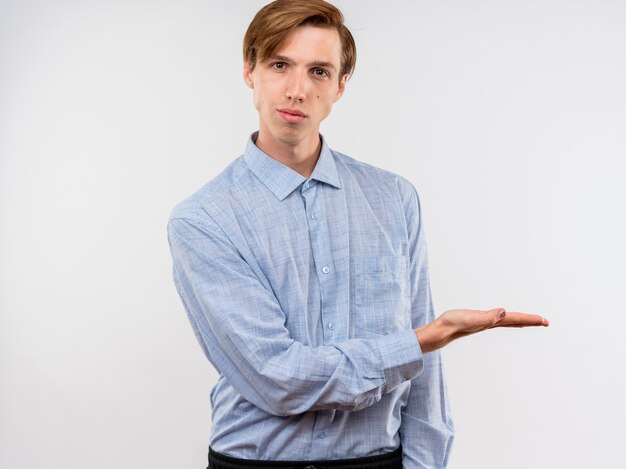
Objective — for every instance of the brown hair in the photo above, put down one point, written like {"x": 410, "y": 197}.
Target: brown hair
{"x": 274, "y": 22}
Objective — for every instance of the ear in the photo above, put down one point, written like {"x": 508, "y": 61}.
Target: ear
{"x": 247, "y": 74}
{"x": 342, "y": 87}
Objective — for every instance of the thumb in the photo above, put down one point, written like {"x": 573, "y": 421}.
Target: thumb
{"x": 498, "y": 315}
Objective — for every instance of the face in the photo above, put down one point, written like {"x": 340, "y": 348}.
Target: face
{"x": 295, "y": 90}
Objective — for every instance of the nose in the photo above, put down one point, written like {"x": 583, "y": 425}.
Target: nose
{"x": 296, "y": 88}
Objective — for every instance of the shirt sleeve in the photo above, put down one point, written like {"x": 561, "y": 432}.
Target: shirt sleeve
{"x": 426, "y": 430}
{"x": 241, "y": 328}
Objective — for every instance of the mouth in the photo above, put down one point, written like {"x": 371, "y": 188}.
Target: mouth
{"x": 292, "y": 116}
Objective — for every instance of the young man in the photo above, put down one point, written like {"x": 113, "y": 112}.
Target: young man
{"x": 305, "y": 278}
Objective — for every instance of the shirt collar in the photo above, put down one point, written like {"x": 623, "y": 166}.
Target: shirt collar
{"x": 281, "y": 179}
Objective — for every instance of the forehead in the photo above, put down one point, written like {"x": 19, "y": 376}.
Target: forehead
{"x": 312, "y": 44}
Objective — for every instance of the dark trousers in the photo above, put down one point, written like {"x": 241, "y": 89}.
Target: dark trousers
{"x": 391, "y": 460}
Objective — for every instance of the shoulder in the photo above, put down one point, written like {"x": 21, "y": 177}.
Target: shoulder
{"x": 375, "y": 177}
{"x": 198, "y": 205}
{"x": 200, "y": 215}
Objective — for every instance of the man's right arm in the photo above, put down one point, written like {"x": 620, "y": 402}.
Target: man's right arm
{"x": 241, "y": 326}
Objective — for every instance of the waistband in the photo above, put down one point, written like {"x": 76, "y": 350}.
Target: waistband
{"x": 391, "y": 460}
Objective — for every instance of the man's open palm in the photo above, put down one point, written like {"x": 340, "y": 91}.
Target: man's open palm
{"x": 457, "y": 323}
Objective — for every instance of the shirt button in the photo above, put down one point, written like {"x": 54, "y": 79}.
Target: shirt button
{"x": 314, "y": 217}
{"x": 331, "y": 326}
{"x": 325, "y": 269}
{"x": 321, "y": 435}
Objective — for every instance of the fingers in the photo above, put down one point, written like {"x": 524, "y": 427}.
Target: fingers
{"x": 516, "y": 319}
{"x": 462, "y": 322}
{"x": 468, "y": 320}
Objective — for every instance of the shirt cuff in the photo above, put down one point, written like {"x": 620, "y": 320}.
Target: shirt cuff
{"x": 401, "y": 356}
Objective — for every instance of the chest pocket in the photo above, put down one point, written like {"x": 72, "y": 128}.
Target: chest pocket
{"x": 381, "y": 295}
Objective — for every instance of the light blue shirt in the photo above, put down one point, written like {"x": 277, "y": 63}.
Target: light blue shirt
{"x": 303, "y": 295}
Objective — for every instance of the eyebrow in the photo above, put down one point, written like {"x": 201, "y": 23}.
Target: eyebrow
{"x": 282, "y": 58}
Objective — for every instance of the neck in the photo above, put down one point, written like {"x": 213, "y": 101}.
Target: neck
{"x": 301, "y": 156}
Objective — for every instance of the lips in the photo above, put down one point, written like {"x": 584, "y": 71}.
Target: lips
{"x": 292, "y": 116}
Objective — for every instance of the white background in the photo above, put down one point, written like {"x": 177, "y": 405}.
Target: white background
{"x": 508, "y": 116}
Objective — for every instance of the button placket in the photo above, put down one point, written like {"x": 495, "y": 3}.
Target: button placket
{"x": 313, "y": 197}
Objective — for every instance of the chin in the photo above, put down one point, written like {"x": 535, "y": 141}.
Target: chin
{"x": 290, "y": 136}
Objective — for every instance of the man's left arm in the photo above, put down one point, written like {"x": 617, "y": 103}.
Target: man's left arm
{"x": 427, "y": 430}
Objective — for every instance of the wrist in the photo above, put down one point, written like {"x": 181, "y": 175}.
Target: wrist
{"x": 432, "y": 336}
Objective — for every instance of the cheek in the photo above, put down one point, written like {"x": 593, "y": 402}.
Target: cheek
{"x": 323, "y": 109}
{"x": 265, "y": 94}
{"x": 255, "y": 99}
{"x": 258, "y": 100}
{"x": 325, "y": 102}
{"x": 325, "y": 96}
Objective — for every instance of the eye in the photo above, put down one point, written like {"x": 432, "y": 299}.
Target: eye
{"x": 279, "y": 65}
{"x": 320, "y": 72}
